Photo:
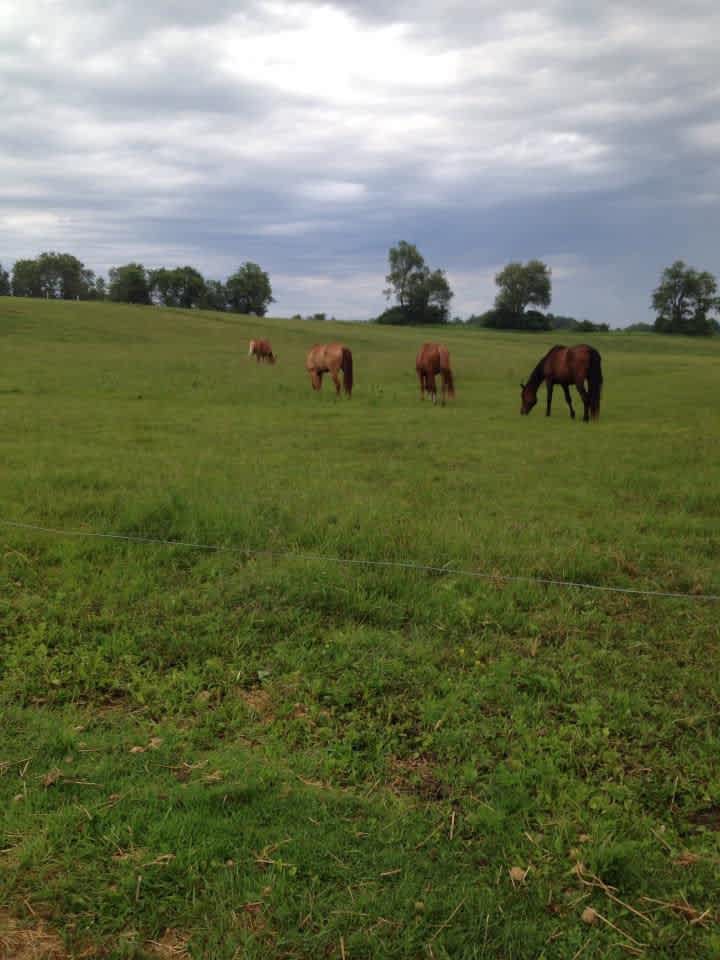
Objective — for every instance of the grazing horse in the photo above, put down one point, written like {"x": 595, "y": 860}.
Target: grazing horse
{"x": 330, "y": 358}
{"x": 261, "y": 350}
{"x": 434, "y": 358}
{"x": 566, "y": 365}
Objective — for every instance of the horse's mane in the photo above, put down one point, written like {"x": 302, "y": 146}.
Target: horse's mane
{"x": 538, "y": 374}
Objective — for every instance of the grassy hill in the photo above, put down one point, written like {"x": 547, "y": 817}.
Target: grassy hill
{"x": 262, "y": 754}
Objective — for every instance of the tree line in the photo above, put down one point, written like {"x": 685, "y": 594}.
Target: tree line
{"x": 62, "y": 276}
{"x": 685, "y": 300}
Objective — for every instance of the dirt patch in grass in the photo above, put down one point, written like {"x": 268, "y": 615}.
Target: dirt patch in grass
{"x": 36, "y": 942}
{"x": 416, "y": 776}
{"x": 259, "y": 702}
{"x": 171, "y": 946}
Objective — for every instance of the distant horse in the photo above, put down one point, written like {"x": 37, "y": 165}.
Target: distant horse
{"x": 566, "y": 365}
{"x": 434, "y": 358}
{"x": 261, "y": 350}
{"x": 330, "y": 358}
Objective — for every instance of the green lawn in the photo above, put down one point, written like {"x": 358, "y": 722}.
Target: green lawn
{"x": 251, "y": 755}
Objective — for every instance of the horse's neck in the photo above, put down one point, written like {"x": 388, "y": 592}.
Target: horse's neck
{"x": 537, "y": 376}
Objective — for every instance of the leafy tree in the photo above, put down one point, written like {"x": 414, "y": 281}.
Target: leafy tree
{"x": 407, "y": 265}
{"x": 4, "y": 282}
{"x": 63, "y": 276}
{"x": 26, "y": 280}
{"x": 60, "y": 276}
{"x": 422, "y": 295}
{"x": 521, "y": 285}
{"x": 129, "y": 284}
{"x": 249, "y": 290}
{"x": 684, "y": 299}
{"x": 215, "y": 296}
{"x": 180, "y": 287}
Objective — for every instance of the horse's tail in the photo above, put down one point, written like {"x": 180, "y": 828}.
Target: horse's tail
{"x": 595, "y": 382}
{"x": 347, "y": 369}
{"x": 449, "y": 382}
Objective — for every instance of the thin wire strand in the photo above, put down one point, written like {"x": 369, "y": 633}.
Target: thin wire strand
{"x": 350, "y": 561}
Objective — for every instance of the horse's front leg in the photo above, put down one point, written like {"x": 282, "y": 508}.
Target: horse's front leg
{"x": 336, "y": 381}
{"x": 549, "y": 384}
{"x": 432, "y": 388}
{"x": 568, "y": 399}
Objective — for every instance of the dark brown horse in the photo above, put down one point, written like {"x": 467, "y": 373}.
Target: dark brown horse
{"x": 566, "y": 365}
{"x": 330, "y": 358}
{"x": 434, "y": 358}
{"x": 261, "y": 350}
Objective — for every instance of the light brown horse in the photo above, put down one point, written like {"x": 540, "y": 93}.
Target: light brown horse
{"x": 261, "y": 350}
{"x": 330, "y": 358}
{"x": 434, "y": 358}
{"x": 566, "y": 365}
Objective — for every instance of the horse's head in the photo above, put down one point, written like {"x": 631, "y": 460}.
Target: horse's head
{"x": 528, "y": 399}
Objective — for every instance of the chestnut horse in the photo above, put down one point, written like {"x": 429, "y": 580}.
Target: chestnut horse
{"x": 566, "y": 365}
{"x": 330, "y": 358}
{"x": 261, "y": 350}
{"x": 434, "y": 358}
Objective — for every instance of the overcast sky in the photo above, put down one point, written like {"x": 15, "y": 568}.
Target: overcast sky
{"x": 311, "y": 137}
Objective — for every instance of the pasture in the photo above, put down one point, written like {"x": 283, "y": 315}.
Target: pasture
{"x": 223, "y": 754}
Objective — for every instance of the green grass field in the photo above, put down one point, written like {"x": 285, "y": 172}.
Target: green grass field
{"x": 239, "y": 755}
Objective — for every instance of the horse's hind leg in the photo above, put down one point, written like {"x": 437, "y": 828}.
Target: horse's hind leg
{"x": 421, "y": 378}
{"x": 336, "y": 381}
{"x": 585, "y": 399}
{"x": 568, "y": 399}
{"x": 431, "y": 388}
{"x": 549, "y": 386}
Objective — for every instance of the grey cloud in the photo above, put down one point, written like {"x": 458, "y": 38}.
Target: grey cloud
{"x": 577, "y": 130}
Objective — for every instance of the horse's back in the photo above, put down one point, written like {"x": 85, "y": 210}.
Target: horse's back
{"x": 432, "y": 357}
{"x": 323, "y": 355}
{"x": 569, "y": 363}
{"x": 580, "y": 358}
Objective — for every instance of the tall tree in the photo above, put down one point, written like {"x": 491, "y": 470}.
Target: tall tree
{"x": 60, "y": 276}
{"x": 179, "y": 287}
{"x": 129, "y": 284}
{"x": 26, "y": 280}
{"x": 4, "y": 282}
{"x": 521, "y": 285}
{"x": 684, "y": 300}
{"x": 215, "y": 296}
{"x": 63, "y": 276}
{"x": 249, "y": 290}
{"x": 407, "y": 269}
{"x": 422, "y": 295}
